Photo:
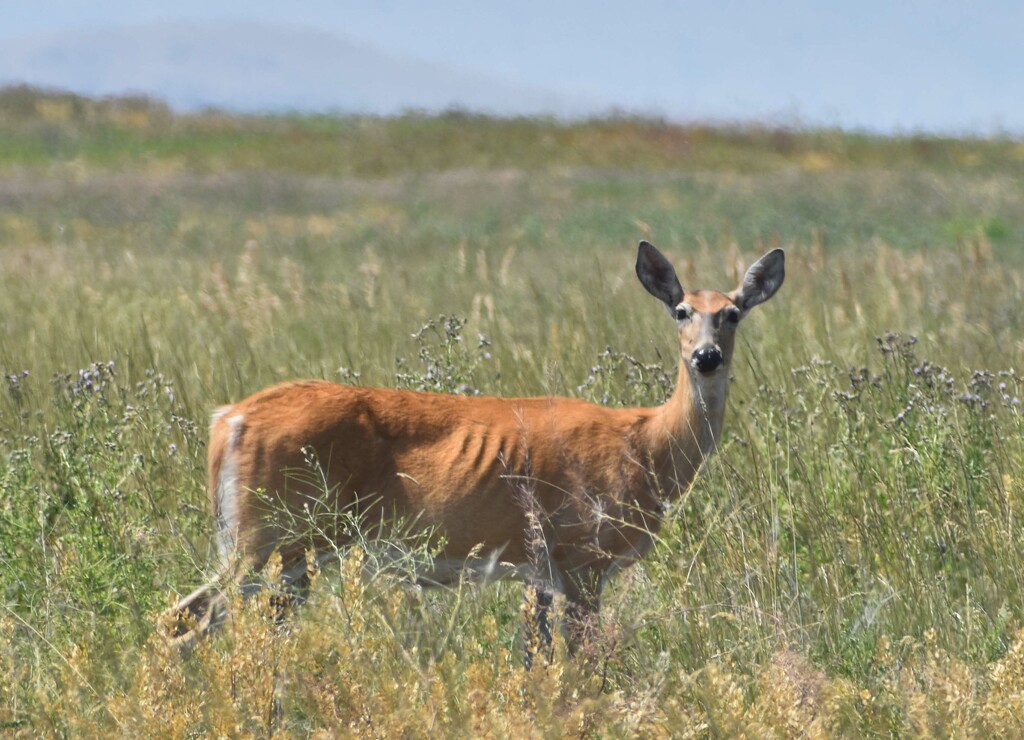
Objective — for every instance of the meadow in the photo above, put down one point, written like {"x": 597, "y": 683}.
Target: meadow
{"x": 849, "y": 564}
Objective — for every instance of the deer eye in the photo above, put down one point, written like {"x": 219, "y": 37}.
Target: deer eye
{"x": 683, "y": 312}
{"x": 732, "y": 316}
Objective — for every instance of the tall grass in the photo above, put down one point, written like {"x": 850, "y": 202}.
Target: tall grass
{"x": 848, "y": 564}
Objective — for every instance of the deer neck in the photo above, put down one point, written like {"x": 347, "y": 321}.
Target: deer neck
{"x": 684, "y": 432}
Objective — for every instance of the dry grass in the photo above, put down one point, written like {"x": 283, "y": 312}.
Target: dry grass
{"x": 849, "y": 565}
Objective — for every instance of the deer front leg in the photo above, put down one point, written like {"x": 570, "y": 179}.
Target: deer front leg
{"x": 582, "y": 590}
{"x": 537, "y": 622}
{"x": 583, "y": 600}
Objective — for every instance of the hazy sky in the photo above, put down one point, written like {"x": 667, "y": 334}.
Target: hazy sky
{"x": 939, "y": 66}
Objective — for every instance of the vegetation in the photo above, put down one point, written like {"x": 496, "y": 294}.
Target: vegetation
{"x": 849, "y": 564}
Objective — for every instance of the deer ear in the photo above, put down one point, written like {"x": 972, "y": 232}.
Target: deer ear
{"x": 761, "y": 281}
{"x": 657, "y": 275}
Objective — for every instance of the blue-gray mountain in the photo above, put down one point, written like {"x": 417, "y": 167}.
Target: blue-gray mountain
{"x": 258, "y": 67}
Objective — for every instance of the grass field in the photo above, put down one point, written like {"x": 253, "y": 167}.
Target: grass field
{"x": 849, "y": 564}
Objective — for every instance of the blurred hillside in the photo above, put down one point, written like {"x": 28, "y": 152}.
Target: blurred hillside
{"x": 250, "y": 66}
{"x": 43, "y": 127}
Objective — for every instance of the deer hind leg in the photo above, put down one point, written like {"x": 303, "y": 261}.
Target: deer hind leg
{"x": 203, "y": 610}
{"x": 291, "y": 590}
{"x": 208, "y": 607}
{"x": 195, "y": 616}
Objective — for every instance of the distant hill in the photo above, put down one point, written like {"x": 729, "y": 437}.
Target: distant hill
{"x": 256, "y": 67}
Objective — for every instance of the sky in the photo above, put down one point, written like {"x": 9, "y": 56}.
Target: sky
{"x": 897, "y": 66}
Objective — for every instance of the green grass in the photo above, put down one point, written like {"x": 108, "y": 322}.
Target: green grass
{"x": 849, "y": 563}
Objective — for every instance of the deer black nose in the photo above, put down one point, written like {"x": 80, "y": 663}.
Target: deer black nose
{"x": 707, "y": 359}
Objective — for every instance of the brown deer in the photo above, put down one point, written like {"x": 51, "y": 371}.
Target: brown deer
{"x": 555, "y": 491}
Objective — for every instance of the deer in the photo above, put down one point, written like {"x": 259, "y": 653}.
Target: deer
{"x": 557, "y": 492}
